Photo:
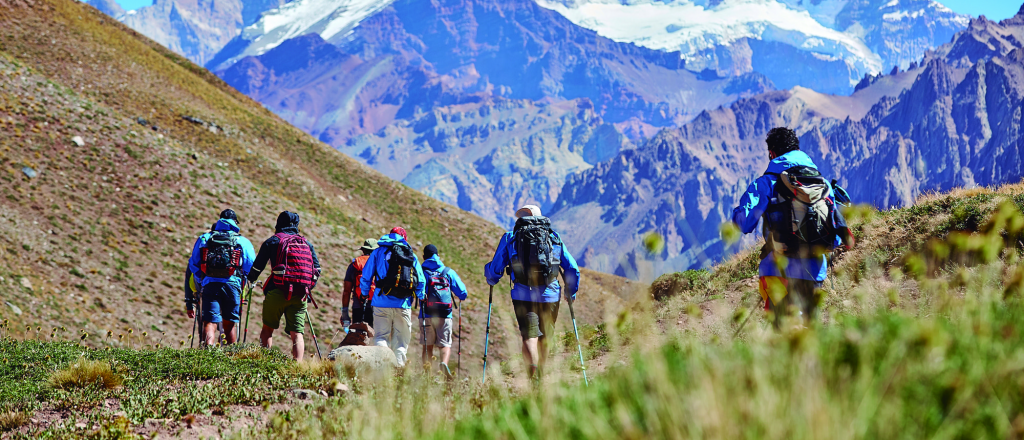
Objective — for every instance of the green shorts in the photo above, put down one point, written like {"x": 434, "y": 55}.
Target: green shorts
{"x": 294, "y": 311}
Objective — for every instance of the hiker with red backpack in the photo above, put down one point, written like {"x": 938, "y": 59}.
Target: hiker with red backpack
{"x": 437, "y": 310}
{"x": 397, "y": 276}
{"x": 536, "y": 255}
{"x": 295, "y": 270}
{"x": 362, "y": 310}
{"x": 220, "y": 260}
{"x": 802, "y": 225}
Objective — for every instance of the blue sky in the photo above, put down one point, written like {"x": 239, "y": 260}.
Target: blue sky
{"x": 993, "y": 9}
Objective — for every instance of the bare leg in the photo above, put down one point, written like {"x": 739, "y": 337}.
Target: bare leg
{"x": 530, "y": 350}
{"x": 298, "y": 345}
{"x": 209, "y": 333}
{"x": 231, "y": 332}
{"x": 428, "y": 352}
{"x": 542, "y": 348}
{"x": 446, "y": 352}
{"x": 267, "y": 337}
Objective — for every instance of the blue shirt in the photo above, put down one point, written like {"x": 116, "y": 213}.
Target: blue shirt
{"x": 521, "y": 292}
{"x": 754, "y": 202}
{"x": 377, "y": 266}
{"x": 248, "y": 256}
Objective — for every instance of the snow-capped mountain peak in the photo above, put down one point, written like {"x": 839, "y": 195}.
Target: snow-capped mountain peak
{"x": 331, "y": 19}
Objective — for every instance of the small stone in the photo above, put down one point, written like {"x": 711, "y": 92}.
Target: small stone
{"x": 14, "y": 308}
{"x": 141, "y": 121}
{"x": 81, "y": 425}
{"x": 304, "y": 394}
{"x": 29, "y": 172}
{"x": 78, "y": 141}
{"x": 26, "y": 283}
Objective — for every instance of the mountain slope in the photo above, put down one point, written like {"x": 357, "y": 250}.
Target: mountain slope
{"x": 945, "y": 123}
{"x": 106, "y": 184}
{"x": 840, "y": 40}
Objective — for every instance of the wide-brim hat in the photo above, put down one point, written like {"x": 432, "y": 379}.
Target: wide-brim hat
{"x": 369, "y": 244}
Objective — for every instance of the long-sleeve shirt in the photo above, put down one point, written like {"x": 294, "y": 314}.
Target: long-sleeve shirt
{"x": 495, "y": 270}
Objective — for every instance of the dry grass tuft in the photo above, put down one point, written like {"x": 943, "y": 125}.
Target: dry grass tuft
{"x": 315, "y": 368}
{"x": 12, "y": 420}
{"x": 86, "y": 372}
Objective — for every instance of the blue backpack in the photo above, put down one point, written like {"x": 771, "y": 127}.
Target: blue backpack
{"x": 438, "y": 303}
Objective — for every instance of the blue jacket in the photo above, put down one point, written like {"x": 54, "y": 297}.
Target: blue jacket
{"x": 379, "y": 262}
{"x": 248, "y": 256}
{"x": 434, "y": 264}
{"x": 753, "y": 204}
{"x": 548, "y": 294}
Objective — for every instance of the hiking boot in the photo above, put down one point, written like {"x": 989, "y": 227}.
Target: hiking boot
{"x": 447, "y": 372}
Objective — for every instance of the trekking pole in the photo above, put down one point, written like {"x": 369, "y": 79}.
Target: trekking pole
{"x": 248, "y": 306}
{"x": 487, "y": 333}
{"x": 578, "y": 346}
{"x": 460, "y": 338}
{"x": 195, "y": 323}
{"x": 311, "y": 331}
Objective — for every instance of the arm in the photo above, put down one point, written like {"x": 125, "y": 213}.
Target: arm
{"x": 368, "y": 271}
{"x": 349, "y": 283}
{"x": 494, "y": 270}
{"x": 190, "y": 297}
{"x": 316, "y": 261}
{"x": 248, "y": 256}
{"x": 457, "y": 286}
{"x": 421, "y": 280}
{"x": 752, "y": 204}
{"x": 570, "y": 272}
{"x": 267, "y": 251}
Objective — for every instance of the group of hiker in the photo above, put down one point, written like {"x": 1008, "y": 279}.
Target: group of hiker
{"x": 380, "y": 289}
{"x": 801, "y": 225}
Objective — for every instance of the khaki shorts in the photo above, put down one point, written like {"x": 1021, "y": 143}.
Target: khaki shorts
{"x": 294, "y": 311}
{"x": 438, "y": 331}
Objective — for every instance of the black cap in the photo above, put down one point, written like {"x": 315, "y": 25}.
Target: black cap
{"x": 229, "y": 214}
{"x": 287, "y": 220}
{"x": 429, "y": 251}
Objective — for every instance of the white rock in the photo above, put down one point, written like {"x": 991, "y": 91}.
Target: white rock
{"x": 78, "y": 141}
{"x": 369, "y": 357}
{"x": 26, "y": 283}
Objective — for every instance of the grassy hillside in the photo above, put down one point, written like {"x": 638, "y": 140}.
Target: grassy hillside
{"x": 98, "y": 239}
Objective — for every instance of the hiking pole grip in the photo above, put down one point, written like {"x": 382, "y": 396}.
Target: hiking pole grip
{"x": 487, "y": 333}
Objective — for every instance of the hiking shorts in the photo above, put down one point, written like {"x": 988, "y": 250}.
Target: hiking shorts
{"x": 438, "y": 331}
{"x": 221, "y": 301}
{"x": 277, "y": 305}
{"x": 535, "y": 319}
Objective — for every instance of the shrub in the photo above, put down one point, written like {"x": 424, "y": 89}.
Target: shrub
{"x": 12, "y": 420}
{"x": 669, "y": 285}
{"x": 86, "y": 372}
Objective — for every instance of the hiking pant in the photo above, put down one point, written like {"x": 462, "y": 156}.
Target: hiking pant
{"x": 363, "y": 314}
{"x": 393, "y": 328}
{"x": 801, "y": 296}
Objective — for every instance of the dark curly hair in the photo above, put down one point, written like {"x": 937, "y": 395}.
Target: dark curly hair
{"x": 782, "y": 140}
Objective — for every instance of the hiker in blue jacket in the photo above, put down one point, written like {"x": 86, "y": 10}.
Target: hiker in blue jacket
{"x": 396, "y": 276}
{"x": 436, "y": 311}
{"x": 787, "y": 280}
{"x": 536, "y": 306}
{"x": 221, "y": 295}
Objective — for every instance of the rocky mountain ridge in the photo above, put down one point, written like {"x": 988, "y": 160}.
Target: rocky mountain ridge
{"x": 953, "y": 120}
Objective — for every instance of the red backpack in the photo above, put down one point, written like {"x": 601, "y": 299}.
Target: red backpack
{"x": 293, "y": 266}
{"x": 359, "y": 263}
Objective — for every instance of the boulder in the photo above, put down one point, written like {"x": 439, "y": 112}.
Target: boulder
{"x": 359, "y": 357}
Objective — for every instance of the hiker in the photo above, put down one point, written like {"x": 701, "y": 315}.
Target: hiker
{"x": 362, "y": 310}
{"x": 295, "y": 270}
{"x": 220, "y": 260}
{"x": 397, "y": 276}
{"x": 536, "y": 254}
{"x": 793, "y": 259}
{"x": 436, "y": 311}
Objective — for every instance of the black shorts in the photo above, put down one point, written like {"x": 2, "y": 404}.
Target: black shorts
{"x": 535, "y": 319}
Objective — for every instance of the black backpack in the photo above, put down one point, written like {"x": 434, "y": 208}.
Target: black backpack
{"x": 534, "y": 262}
{"x": 400, "y": 281}
{"x": 800, "y": 221}
{"x": 438, "y": 302}
{"x": 221, "y": 255}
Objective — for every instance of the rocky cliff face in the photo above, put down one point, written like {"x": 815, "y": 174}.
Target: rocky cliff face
{"x": 952, "y": 120}
{"x": 483, "y": 103}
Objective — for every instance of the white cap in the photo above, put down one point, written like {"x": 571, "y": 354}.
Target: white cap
{"x": 527, "y": 211}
